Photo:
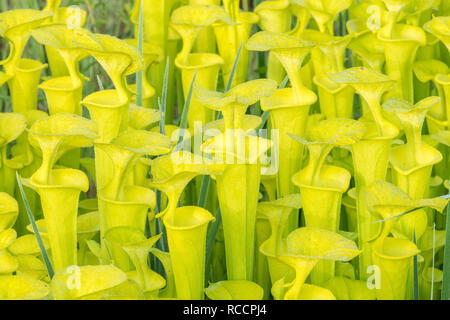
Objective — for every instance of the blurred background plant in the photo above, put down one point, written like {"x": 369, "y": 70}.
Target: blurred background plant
{"x": 108, "y": 17}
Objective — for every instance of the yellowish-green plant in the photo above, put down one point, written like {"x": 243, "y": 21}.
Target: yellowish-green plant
{"x": 350, "y": 289}
{"x": 121, "y": 202}
{"x": 439, "y": 26}
{"x": 393, "y": 255}
{"x": 365, "y": 45}
{"x": 234, "y": 290}
{"x": 189, "y": 21}
{"x": 371, "y": 153}
{"x": 136, "y": 203}
{"x": 94, "y": 282}
{"x": 59, "y": 189}
{"x": 274, "y": 16}
{"x": 63, "y": 93}
{"x": 238, "y": 206}
{"x": 289, "y": 107}
{"x": 22, "y": 288}
{"x": 230, "y": 37}
{"x": 324, "y": 12}
{"x": 321, "y": 185}
{"x": 73, "y": 17}
{"x": 22, "y": 74}
{"x": 305, "y": 247}
{"x": 12, "y": 126}
{"x": 169, "y": 290}
{"x": 412, "y": 162}
{"x": 188, "y": 225}
{"x": 426, "y": 72}
{"x": 401, "y": 41}
{"x": 277, "y": 214}
{"x": 137, "y": 247}
{"x": 9, "y": 210}
{"x": 8, "y": 262}
{"x": 172, "y": 173}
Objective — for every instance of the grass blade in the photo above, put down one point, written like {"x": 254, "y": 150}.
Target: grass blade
{"x": 445, "y": 295}
{"x": 140, "y": 74}
{"x": 163, "y": 101}
{"x": 184, "y": 116}
{"x": 204, "y": 190}
{"x": 232, "y": 74}
{"x": 44, "y": 252}
{"x": 211, "y": 237}
{"x": 233, "y": 70}
{"x": 416, "y": 271}
{"x": 162, "y": 243}
{"x": 284, "y": 82}
{"x": 100, "y": 83}
{"x": 264, "y": 117}
{"x": 400, "y": 215}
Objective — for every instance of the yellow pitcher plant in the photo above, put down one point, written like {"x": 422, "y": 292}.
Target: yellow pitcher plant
{"x": 225, "y": 150}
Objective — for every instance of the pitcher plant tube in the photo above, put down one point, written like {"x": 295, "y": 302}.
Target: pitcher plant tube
{"x": 243, "y": 170}
{"x": 371, "y": 153}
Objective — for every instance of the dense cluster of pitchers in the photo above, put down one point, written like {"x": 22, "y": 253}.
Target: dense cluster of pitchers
{"x": 356, "y": 95}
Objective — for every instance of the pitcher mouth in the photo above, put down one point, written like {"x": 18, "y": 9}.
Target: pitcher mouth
{"x": 134, "y": 195}
{"x": 199, "y": 61}
{"x": 282, "y": 98}
{"x": 188, "y": 218}
{"x": 29, "y": 65}
{"x": 405, "y": 168}
{"x": 332, "y": 179}
{"x": 62, "y": 179}
{"x": 104, "y": 99}
{"x": 325, "y": 82}
{"x": 62, "y": 84}
{"x": 396, "y": 249}
{"x": 403, "y": 33}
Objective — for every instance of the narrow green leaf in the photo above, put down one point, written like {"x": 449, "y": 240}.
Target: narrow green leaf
{"x": 416, "y": 271}
{"x": 211, "y": 237}
{"x": 265, "y": 118}
{"x": 204, "y": 190}
{"x": 184, "y": 116}
{"x": 232, "y": 74}
{"x": 140, "y": 74}
{"x": 100, "y": 83}
{"x": 445, "y": 295}
{"x": 44, "y": 253}
{"x": 163, "y": 100}
{"x": 162, "y": 243}
{"x": 284, "y": 82}
{"x": 400, "y": 215}
{"x": 235, "y": 64}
